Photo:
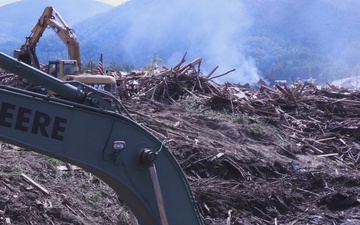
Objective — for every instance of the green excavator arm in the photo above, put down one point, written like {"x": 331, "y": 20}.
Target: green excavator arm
{"x": 82, "y": 129}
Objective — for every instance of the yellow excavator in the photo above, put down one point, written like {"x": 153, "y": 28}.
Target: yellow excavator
{"x": 66, "y": 70}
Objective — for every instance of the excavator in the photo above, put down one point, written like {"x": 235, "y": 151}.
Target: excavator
{"x": 66, "y": 70}
{"x": 82, "y": 128}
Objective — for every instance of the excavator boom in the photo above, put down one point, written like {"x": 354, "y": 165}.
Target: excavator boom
{"x": 50, "y": 18}
{"x": 118, "y": 150}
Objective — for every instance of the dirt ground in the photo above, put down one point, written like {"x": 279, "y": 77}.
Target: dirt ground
{"x": 241, "y": 170}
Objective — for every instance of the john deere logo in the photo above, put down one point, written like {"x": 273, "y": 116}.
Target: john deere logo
{"x": 32, "y": 121}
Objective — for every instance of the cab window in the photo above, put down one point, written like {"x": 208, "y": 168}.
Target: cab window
{"x": 53, "y": 71}
{"x": 70, "y": 69}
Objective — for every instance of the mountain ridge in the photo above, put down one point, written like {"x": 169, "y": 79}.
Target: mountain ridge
{"x": 260, "y": 38}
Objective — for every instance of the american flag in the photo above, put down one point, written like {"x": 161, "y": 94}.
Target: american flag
{"x": 100, "y": 66}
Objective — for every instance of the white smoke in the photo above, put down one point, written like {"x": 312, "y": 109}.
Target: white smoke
{"x": 213, "y": 30}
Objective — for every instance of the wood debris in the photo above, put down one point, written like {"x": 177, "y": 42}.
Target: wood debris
{"x": 31, "y": 181}
{"x": 323, "y": 121}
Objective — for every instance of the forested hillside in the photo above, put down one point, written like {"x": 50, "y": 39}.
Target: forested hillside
{"x": 281, "y": 39}
{"x": 292, "y": 39}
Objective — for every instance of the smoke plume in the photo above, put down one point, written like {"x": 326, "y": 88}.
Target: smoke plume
{"x": 213, "y": 30}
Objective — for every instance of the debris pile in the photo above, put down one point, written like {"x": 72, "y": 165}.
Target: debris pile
{"x": 253, "y": 155}
{"x": 171, "y": 84}
{"x": 322, "y": 121}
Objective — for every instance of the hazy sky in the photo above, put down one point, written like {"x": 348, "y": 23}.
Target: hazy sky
{"x": 111, "y": 2}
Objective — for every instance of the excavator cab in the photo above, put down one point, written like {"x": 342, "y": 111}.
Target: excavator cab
{"x": 61, "y": 68}
{"x": 68, "y": 70}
